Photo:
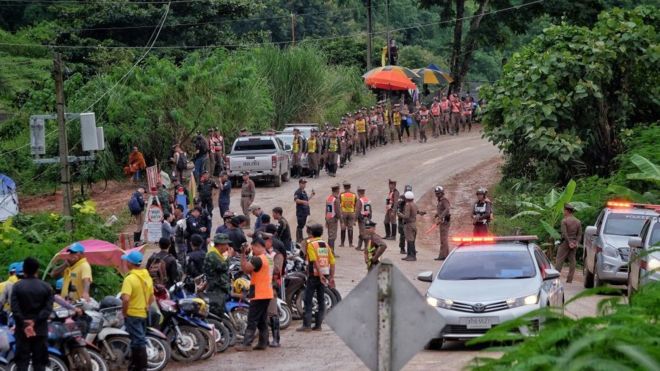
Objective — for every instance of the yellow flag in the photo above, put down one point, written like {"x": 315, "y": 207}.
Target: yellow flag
{"x": 192, "y": 188}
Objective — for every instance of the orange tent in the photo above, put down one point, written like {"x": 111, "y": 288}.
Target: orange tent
{"x": 389, "y": 80}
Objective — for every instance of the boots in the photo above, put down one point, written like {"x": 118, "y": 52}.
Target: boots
{"x": 263, "y": 340}
{"x": 246, "y": 345}
{"x": 359, "y": 246}
{"x": 393, "y": 236}
{"x": 139, "y": 359}
{"x": 275, "y": 327}
{"x": 343, "y": 237}
{"x": 350, "y": 237}
{"x": 388, "y": 234}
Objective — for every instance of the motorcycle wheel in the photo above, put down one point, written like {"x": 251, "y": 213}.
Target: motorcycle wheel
{"x": 80, "y": 360}
{"x": 98, "y": 363}
{"x": 189, "y": 347}
{"x": 330, "y": 301}
{"x": 229, "y": 325}
{"x": 222, "y": 335}
{"x": 209, "y": 343}
{"x": 158, "y": 353}
{"x": 285, "y": 316}
{"x": 120, "y": 358}
{"x": 55, "y": 363}
{"x": 239, "y": 316}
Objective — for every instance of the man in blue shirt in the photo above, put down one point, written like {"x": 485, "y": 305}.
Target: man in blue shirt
{"x": 260, "y": 215}
{"x": 225, "y": 193}
{"x": 302, "y": 208}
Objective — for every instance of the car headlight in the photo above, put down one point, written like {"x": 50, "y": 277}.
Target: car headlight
{"x": 440, "y": 303}
{"x": 610, "y": 251}
{"x": 525, "y": 300}
{"x": 653, "y": 264}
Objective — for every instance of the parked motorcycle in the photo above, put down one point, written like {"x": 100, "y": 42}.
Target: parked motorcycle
{"x": 65, "y": 336}
{"x": 8, "y": 351}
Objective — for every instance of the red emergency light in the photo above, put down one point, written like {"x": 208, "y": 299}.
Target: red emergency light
{"x": 630, "y": 205}
{"x": 487, "y": 239}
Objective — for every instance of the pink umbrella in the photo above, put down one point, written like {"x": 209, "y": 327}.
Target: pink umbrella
{"x": 104, "y": 254}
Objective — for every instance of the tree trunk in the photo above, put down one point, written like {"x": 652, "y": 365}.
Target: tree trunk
{"x": 471, "y": 42}
{"x": 456, "y": 51}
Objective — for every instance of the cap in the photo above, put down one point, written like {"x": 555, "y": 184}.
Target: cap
{"x": 19, "y": 268}
{"x": 76, "y": 248}
{"x": 346, "y": 183}
{"x": 391, "y": 181}
{"x": 439, "y": 189}
{"x": 369, "y": 223}
{"x": 361, "y": 188}
{"x": 302, "y": 180}
{"x": 228, "y": 214}
{"x": 569, "y": 207}
{"x": 254, "y": 207}
{"x": 335, "y": 186}
{"x": 482, "y": 191}
{"x": 221, "y": 238}
{"x": 133, "y": 257}
{"x": 12, "y": 267}
{"x": 409, "y": 195}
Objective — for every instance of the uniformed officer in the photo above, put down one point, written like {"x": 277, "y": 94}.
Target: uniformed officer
{"x": 297, "y": 149}
{"x": 361, "y": 130}
{"x": 400, "y": 205}
{"x": 333, "y": 152}
{"x": 216, "y": 268}
{"x": 571, "y": 235}
{"x": 313, "y": 150}
{"x": 205, "y": 191}
{"x": 363, "y": 214}
{"x": 482, "y": 212}
{"x": 409, "y": 218}
{"x": 348, "y": 205}
{"x": 332, "y": 215}
{"x": 374, "y": 245}
{"x": 442, "y": 219}
{"x": 390, "y": 211}
{"x": 248, "y": 192}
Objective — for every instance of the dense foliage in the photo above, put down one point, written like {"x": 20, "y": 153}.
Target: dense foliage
{"x": 564, "y": 102}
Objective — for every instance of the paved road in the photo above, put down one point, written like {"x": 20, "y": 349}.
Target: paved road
{"x": 422, "y": 166}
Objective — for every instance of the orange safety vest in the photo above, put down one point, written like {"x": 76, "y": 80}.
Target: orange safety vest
{"x": 366, "y": 206}
{"x": 261, "y": 282}
{"x": 330, "y": 211}
{"x": 467, "y": 106}
{"x": 347, "y": 200}
{"x": 456, "y": 107}
{"x": 322, "y": 257}
{"x": 435, "y": 109}
{"x": 444, "y": 105}
{"x": 361, "y": 126}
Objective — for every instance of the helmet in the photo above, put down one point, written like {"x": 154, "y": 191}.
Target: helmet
{"x": 482, "y": 191}
{"x": 407, "y": 188}
{"x": 439, "y": 189}
{"x": 409, "y": 195}
{"x": 110, "y": 302}
{"x": 240, "y": 285}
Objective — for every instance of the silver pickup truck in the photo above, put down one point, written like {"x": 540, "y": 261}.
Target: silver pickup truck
{"x": 263, "y": 156}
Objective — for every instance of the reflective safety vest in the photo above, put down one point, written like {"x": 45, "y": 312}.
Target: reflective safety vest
{"x": 456, "y": 107}
{"x": 467, "y": 108}
{"x": 386, "y": 117}
{"x": 295, "y": 146}
{"x": 261, "y": 282}
{"x": 361, "y": 126}
{"x": 330, "y": 211}
{"x": 322, "y": 257}
{"x": 444, "y": 105}
{"x": 435, "y": 109}
{"x": 396, "y": 117}
{"x": 333, "y": 145}
{"x": 347, "y": 200}
{"x": 311, "y": 145}
{"x": 366, "y": 206}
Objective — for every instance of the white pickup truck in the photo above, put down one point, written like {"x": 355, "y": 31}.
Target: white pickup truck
{"x": 263, "y": 156}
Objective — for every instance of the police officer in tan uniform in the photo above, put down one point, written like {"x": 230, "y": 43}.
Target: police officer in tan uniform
{"x": 409, "y": 219}
{"x": 333, "y": 152}
{"x": 374, "y": 245}
{"x": 297, "y": 149}
{"x": 363, "y": 214}
{"x": 348, "y": 205}
{"x": 571, "y": 235}
{"x": 390, "y": 211}
{"x": 313, "y": 153}
{"x": 248, "y": 193}
{"x": 332, "y": 215}
{"x": 442, "y": 219}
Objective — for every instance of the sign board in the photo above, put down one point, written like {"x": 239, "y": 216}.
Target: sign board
{"x": 153, "y": 231}
{"x": 37, "y": 136}
{"x": 153, "y": 178}
{"x": 384, "y": 320}
{"x": 154, "y": 214}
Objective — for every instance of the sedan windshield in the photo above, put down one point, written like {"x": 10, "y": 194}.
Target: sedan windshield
{"x": 473, "y": 265}
{"x": 625, "y": 224}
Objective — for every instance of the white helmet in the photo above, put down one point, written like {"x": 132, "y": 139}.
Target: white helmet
{"x": 409, "y": 195}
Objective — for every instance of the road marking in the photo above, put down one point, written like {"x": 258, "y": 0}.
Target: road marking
{"x": 440, "y": 158}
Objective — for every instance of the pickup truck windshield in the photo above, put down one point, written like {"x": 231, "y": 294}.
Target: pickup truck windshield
{"x": 625, "y": 224}
{"x": 254, "y": 145}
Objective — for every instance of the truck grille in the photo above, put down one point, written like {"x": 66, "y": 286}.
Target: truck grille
{"x": 475, "y": 308}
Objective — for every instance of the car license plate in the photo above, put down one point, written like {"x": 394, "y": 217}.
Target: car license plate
{"x": 479, "y": 322}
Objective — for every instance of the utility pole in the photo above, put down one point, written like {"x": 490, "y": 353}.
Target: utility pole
{"x": 65, "y": 176}
{"x": 369, "y": 32}
{"x": 293, "y": 29}
{"x": 387, "y": 28}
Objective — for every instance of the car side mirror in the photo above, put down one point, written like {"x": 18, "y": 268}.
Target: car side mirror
{"x": 635, "y": 242}
{"x": 551, "y": 274}
{"x": 287, "y": 147}
{"x": 426, "y": 276}
{"x": 591, "y": 230}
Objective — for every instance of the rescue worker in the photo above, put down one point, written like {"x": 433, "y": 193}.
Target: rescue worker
{"x": 396, "y": 122}
{"x": 77, "y": 274}
{"x": 436, "y": 116}
{"x": 348, "y": 203}
{"x": 217, "y": 147}
{"x": 361, "y": 130}
{"x": 363, "y": 214}
{"x": 456, "y": 113}
{"x": 205, "y": 191}
{"x": 5, "y": 292}
{"x": 333, "y": 152}
{"x": 482, "y": 213}
{"x": 332, "y": 215}
{"x": 571, "y": 235}
{"x": 442, "y": 219}
{"x": 225, "y": 193}
{"x": 302, "y": 208}
{"x": 467, "y": 113}
{"x": 277, "y": 252}
{"x": 409, "y": 219}
{"x": 283, "y": 232}
{"x": 374, "y": 245}
{"x": 445, "y": 111}
{"x": 424, "y": 119}
{"x": 248, "y": 192}
{"x": 216, "y": 268}
{"x": 137, "y": 295}
{"x": 399, "y": 207}
{"x": 260, "y": 269}
{"x": 313, "y": 150}
{"x": 390, "y": 211}
{"x": 209, "y": 142}
{"x": 321, "y": 273}
{"x": 297, "y": 149}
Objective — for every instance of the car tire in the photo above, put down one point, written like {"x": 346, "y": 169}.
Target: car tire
{"x": 285, "y": 177}
{"x": 597, "y": 280}
{"x": 277, "y": 181}
{"x": 435, "y": 344}
{"x": 588, "y": 277}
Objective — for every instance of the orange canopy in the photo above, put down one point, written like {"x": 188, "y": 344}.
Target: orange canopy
{"x": 390, "y": 80}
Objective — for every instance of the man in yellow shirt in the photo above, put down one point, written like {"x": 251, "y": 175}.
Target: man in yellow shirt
{"x": 76, "y": 272}
{"x": 137, "y": 294}
{"x": 5, "y": 291}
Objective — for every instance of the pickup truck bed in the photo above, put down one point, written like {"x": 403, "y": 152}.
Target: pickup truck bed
{"x": 263, "y": 156}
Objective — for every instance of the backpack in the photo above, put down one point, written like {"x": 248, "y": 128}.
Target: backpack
{"x": 182, "y": 161}
{"x": 134, "y": 204}
{"x": 158, "y": 269}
